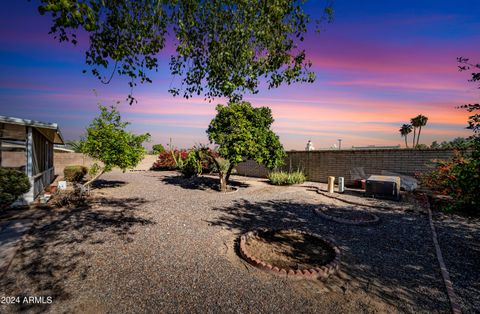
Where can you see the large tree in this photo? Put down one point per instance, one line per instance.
(108, 141)
(243, 132)
(222, 47)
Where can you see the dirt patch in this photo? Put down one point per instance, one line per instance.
(289, 249)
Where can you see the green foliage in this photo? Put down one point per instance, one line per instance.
(459, 178)
(422, 146)
(222, 165)
(474, 119)
(242, 131)
(456, 143)
(192, 165)
(108, 141)
(13, 184)
(158, 149)
(94, 169)
(286, 178)
(74, 173)
(223, 47)
(76, 146)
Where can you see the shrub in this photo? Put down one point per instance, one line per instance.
(207, 155)
(75, 198)
(13, 184)
(170, 160)
(158, 149)
(192, 166)
(459, 178)
(74, 173)
(286, 178)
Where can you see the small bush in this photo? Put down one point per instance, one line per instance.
(170, 160)
(459, 178)
(13, 184)
(286, 178)
(74, 173)
(192, 165)
(75, 198)
(206, 156)
(158, 149)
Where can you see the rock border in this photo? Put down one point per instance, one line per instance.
(357, 222)
(318, 273)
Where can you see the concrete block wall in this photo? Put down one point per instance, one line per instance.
(60, 160)
(318, 165)
(251, 168)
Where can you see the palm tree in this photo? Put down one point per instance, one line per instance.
(76, 146)
(414, 123)
(418, 122)
(404, 131)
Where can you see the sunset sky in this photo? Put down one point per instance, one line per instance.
(378, 64)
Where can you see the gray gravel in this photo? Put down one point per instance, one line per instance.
(151, 242)
(459, 239)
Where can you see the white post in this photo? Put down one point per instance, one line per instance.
(341, 185)
(29, 196)
(331, 183)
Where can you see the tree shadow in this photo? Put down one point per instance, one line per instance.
(459, 240)
(394, 260)
(56, 248)
(202, 183)
(103, 184)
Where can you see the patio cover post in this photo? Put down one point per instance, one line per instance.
(29, 169)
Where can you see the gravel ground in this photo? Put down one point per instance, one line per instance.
(152, 242)
(459, 239)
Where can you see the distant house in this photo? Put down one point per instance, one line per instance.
(27, 145)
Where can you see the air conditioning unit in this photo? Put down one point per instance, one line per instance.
(387, 187)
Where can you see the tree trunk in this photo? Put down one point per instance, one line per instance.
(223, 181)
(406, 144)
(229, 172)
(414, 136)
(418, 136)
(94, 178)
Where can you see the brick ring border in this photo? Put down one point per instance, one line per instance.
(357, 222)
(320, 273)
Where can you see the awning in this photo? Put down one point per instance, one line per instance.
(12, 132)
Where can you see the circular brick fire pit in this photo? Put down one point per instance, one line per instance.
(347, 216)
(290, 252)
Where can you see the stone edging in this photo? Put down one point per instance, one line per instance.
(321, 273)
(357, 222)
